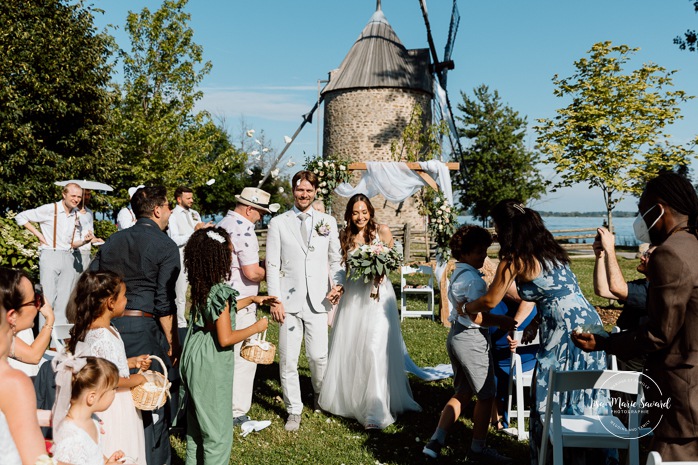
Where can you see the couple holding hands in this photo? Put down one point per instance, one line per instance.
(358, 372)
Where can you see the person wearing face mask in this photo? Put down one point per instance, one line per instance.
(668, 219)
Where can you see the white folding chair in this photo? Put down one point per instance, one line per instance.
(591, 431)
(655, 459)
(427, 290)
(59, 334)
(519, 379)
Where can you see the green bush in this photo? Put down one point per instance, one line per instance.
(18, 247)
(104, 229)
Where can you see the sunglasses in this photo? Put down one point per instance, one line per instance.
(38, 301)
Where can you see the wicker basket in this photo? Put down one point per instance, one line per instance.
(152, 394)
(258, 350)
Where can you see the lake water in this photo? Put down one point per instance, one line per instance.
(623, 226)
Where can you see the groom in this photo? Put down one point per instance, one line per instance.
(302, 252)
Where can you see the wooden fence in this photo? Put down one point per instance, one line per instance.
(414, 241)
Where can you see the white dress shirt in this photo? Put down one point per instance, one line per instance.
(65, 224)
(125, 219)
(86, 223)
(182, 225)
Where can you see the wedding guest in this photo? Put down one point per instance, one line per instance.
(300, 261)
(668, 218)
(148, 262)
(246, 272)
(609, 283)
(530, 256)
(126, 218)
(59, 262)
(85, 230)
(20, 436)
(184, 220)
(207, 357)
(469, 347)
(99, 297)
(22, 302)
(365, 376)
(85, 386)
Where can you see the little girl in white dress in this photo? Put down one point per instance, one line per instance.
(99, 297)
(87, 385)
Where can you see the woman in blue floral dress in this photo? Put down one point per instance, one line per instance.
(540, 266)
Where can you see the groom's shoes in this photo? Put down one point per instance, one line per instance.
(293, 423)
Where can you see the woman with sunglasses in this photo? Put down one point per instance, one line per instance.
(20, 436)
(22, 303)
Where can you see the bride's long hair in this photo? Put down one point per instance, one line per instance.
(346, 237)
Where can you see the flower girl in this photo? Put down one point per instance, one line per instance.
(98, 297)
(85, 386)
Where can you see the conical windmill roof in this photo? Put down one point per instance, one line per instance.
(378, 59)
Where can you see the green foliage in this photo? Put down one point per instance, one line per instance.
(419, 141)
(495, 164)
(104, 228)
(54, 100)
(689, 41)
(331, 172)
(612, 134)
(18, 247)
(163, 141)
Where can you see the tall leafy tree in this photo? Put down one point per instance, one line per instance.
(496, 164)
(612, 133)
(689, 41)
(164, 140)
(54, 100)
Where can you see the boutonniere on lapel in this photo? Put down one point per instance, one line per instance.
(322, 228)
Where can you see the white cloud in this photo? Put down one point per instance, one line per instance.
(275, 103)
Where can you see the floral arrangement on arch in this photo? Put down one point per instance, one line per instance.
(331, 172)
(443, 220)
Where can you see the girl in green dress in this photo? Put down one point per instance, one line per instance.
(207, 357)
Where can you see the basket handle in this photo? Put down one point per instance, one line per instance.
(164, 370)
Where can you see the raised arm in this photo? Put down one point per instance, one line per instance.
(617, 286)
(503, 279)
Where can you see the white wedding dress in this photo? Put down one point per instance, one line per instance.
(365, 377)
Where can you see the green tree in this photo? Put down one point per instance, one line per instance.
(690, 39)
(164, 140)
(54, 100)
(612, 134)
(496, 164)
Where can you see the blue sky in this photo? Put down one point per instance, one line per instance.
(268, 56)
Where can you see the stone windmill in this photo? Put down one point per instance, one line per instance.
(369, 101)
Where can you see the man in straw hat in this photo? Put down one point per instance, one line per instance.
(245, 275)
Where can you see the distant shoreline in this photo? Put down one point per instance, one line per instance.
(618, 214)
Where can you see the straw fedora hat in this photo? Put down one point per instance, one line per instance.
(257, 198)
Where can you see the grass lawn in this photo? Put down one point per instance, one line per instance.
(326, 439)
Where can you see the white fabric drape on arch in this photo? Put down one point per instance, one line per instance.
(396, 182)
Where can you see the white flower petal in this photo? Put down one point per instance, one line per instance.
(210, 182)
(287, 139)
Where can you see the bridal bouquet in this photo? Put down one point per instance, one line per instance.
(372, 262)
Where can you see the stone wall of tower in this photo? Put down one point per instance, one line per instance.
(360, 125)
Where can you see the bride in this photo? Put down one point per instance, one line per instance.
(365, 377)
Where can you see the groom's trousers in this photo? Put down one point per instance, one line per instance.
(314, 325)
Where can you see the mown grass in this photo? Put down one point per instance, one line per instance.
(326, 439)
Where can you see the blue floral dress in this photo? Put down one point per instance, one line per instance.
(563, 307)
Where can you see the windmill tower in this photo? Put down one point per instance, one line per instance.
(369, 101)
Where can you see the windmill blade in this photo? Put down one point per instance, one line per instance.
(307, 118)
(440, 69)
(450, 42)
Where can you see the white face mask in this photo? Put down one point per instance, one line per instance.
(642, 231)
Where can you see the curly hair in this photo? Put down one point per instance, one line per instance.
(524, 239)
(346, 237)
(468, 238)
(89, 301)
(208, 257)
(98, 374)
